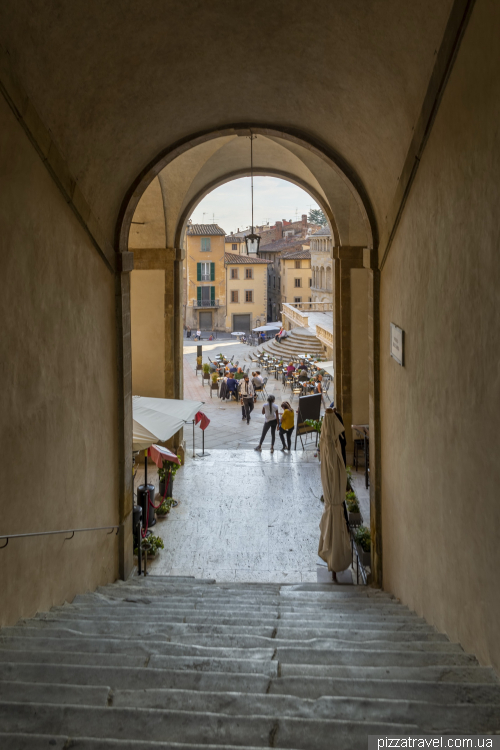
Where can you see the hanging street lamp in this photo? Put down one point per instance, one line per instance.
(252, 240)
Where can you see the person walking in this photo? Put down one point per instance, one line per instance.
(270, 411)
(246, 398)
(287, 425)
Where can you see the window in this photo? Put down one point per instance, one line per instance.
(310, 282)
(234, 273)
(234, 296)
(205, 244)
(249, 296)
(297, 283)
(310, 299)
(205, 296)
(205, 271)
(248, 273)
(274, 282)
(297, 299)
(234, 247)
(279, 283)
(297, 264)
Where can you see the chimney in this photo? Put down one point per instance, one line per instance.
(279, 230)
(304, 225)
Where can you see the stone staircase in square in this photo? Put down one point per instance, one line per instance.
(177, 663)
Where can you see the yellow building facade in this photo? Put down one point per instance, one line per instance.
(296, 276)
(246, 291)
(205, 279)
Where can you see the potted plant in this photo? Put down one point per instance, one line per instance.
(353, 511)
(215, 385)
(169, 469)
(155, 544)
(164, 508)
(206, 371)
(363, 542)
(198, 363)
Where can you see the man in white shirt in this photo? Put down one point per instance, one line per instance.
(246, 397)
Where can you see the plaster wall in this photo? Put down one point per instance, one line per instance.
(58, 390)
(288, 275)
(147, 321)
(359, 345)
(439, 438)
(258, 285)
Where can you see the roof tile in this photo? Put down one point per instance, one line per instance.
(244, 260)
(204, 230)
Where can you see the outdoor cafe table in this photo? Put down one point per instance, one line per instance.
(363, 430)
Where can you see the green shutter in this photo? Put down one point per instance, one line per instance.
(198, 290)
(198, 272)
(212, 294)
(212, 271)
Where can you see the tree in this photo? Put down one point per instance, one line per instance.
(316, 216)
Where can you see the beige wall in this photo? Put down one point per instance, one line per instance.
(359, 345)
(147, 314)
(288, 275)
(258, 285)
(439, 414)
(194, 255)
(58, 390)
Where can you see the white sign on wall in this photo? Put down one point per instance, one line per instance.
(397, 344)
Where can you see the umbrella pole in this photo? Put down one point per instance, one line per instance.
(194, 454)
(146, 467)
(203, 454)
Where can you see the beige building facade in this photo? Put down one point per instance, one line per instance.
(296, 278)
(321, 247)
(205, 284)
(246, 280)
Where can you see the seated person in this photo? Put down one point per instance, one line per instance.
(239, 375)
(257, 379)
(303, 375)
(277, 338)
(233, 368)
(290, 368)
(284, 334)
(213, 366)
(319, 386)
(232, 386)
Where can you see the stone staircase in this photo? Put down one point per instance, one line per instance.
(183, 663)
(300, 341)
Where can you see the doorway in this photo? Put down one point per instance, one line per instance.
(205, 321)
(242, 323)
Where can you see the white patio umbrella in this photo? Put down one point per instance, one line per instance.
(157, 419)
(268, 327)
(334, 545)
(238, 333)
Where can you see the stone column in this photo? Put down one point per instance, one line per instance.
(124, 264)
(347, 259)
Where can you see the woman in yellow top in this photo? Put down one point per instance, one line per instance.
(287, 425)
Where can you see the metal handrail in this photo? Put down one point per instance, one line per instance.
(62, 531)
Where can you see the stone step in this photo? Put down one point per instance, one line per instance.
(97, 645)
(62, 742)
(429, 717)
(189, 727)
(120, 629)
(129, 677)
(379, 623)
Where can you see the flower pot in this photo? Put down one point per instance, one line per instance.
(355, 519)
(206, 376)
(169, 489)
(365, 557)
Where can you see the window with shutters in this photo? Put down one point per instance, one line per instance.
(205, 244)
(248, 273)
(234, 247)
(234, 297)
(297, 283)
(234, 274)
(297, 264)
(205, 271)
(249, 296)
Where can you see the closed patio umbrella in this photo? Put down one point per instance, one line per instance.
(334, 544)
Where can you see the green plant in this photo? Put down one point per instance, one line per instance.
(349, 477)
(314, 423)
(352, 502)
(206, 368)
(168, 466)
(156, 543)
(214, 378)
(198, 360)
(362, 537)
(164, 508)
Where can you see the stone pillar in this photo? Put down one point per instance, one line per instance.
(374, 411)
(124, 265)
(347, 259)
(337, 357)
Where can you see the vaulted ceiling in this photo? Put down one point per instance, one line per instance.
(121, 84)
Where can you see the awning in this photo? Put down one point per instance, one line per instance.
(157, 419)
(269, 327)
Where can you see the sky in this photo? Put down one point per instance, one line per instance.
(229, 206)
